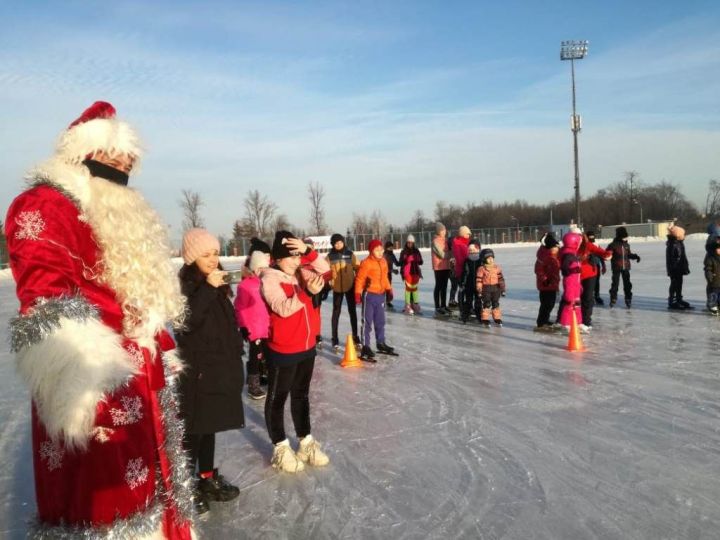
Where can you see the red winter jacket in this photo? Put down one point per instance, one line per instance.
(547, 270)
(460, 252)
(587, 268)
(294, 322)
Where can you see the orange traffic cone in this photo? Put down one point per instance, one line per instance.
(351, 358)
(575, 343)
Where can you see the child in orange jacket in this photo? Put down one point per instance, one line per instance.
(490, 285)
(371, 287)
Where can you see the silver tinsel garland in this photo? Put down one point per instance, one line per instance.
(139, 525)
(44, 318)
(180, 476)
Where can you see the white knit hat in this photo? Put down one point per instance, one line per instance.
(410, 238)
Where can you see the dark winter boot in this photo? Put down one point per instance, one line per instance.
(453, 304)
(684, 304)
(613, 301)
(358, 342)
(628, 303)
(199, 501)
(673, 304)
(385, 348)
(216, 488)
(599, 301)
(254, 390)
(367, 354)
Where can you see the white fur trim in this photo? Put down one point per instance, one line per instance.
(173, 362)
(109, 135)
(73, 179)
(69, 372)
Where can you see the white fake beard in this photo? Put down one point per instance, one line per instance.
(136, 259)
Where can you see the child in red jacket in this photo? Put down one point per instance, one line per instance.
(288, 287)
(547, 273)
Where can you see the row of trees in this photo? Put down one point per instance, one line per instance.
(628, 201)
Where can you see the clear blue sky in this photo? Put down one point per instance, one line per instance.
(390, 105)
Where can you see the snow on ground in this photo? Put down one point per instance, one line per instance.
(477, 433)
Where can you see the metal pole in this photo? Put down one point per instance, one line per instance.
(575, 128)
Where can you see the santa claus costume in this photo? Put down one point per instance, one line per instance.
(96, 287)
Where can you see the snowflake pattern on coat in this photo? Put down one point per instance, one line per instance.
(131, 412)
(136, 356)
(136, 473)
(102, 434)
(52, 454)
(31, 225)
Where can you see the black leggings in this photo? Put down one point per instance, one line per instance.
(440, 291)
(294, 380)
(202, 451)
(337, 308)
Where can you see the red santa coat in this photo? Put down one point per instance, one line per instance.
(106, 442)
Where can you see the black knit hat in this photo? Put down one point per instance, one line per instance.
(549, 241)
(258, 245)
(389, 245)
(474, 242)
(279, 249)
(485, 253)
(621, 232)
(337, 237)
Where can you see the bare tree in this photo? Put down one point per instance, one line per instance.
(259, 213)
(316, 195)
(712, 202)
(190, 204)
(377, 224)
(281, 223)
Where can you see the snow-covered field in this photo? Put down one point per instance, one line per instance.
(476, 433)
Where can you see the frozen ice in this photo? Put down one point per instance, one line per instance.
(478, 433)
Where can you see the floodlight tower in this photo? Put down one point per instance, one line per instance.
(574, 50)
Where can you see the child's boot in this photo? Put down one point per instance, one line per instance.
(284, 459)
(309, 452)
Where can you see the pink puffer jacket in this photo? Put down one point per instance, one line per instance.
(251, 310)
(570, 267)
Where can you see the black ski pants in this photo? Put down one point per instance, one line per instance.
(676, 285)
(293, 380)
(615, 282)
(337, 308)
(440, 290)
(547, 303)
(587, 299)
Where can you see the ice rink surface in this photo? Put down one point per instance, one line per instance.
(475, 433)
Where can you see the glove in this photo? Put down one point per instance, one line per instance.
(637, 258)
(396, 271)
(502, 293)
(604, 270)
(390, 295)
(358, 298)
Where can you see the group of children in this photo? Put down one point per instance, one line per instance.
(278, 302)
(580, 263)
